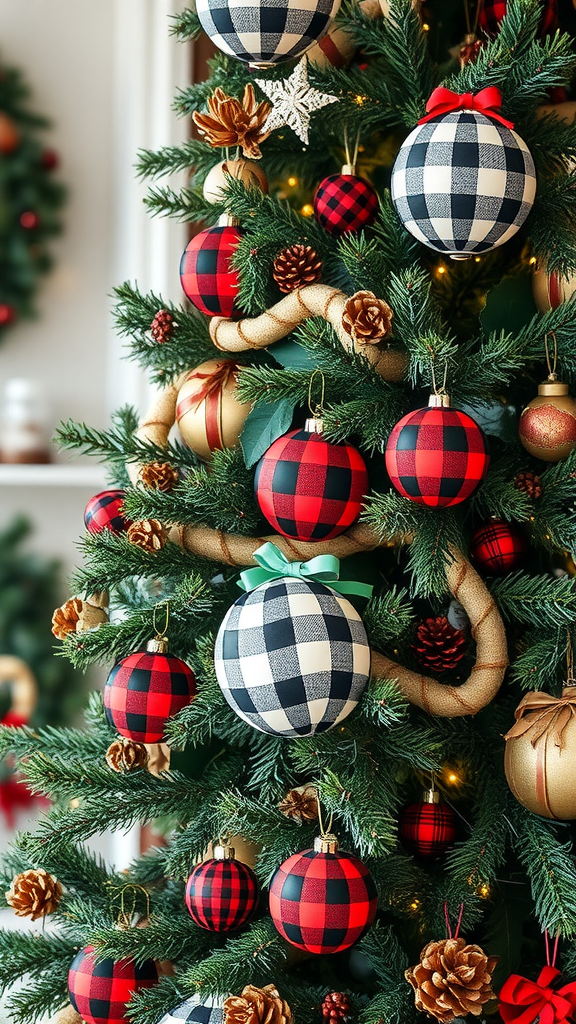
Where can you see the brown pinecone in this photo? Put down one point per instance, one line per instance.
(452, 979)
(529, 482)
(34, 894)
(336, 1008)
(232, 122)
(124, 755)
(162, 326)
(366, 318)
(439, 646)
(257, 1006)
(77, 615)
(148, 534)
(296, 266)
(160, 475)
(301, 804)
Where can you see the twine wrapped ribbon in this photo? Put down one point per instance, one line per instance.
(488, 101)
(209, 393)
(542, 715)
(523, 1001)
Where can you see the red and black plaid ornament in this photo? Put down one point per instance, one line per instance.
(309, 488)
(497, 547)
(145, 689)
(428, 828)
(222, 893)
(437, 456)
(345, 202)
(100, 992)
(104, 512)
(323, 900)
(491, 13)
(207, 277)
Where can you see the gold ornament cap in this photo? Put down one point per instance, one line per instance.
(431, 796)
(439, 401)
(314, 425)
(552, 388)
(222, 851)
(159, 645)
(326, 844)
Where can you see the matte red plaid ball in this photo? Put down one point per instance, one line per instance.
(100, 992)
(206, 274)
(436, 456)
(498, 548)
(428, 829)
(345, 202)
(308, 488)
(103, 512)
(492, 11)
(323, 902)
(222, 894)
(144, 690)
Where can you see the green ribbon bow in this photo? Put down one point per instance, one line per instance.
(273, 565)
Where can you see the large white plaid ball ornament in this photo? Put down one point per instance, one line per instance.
(196, 1011)
(292, 657)
(265, 32)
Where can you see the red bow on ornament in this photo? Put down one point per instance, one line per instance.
(522, 1001)
(487, 101)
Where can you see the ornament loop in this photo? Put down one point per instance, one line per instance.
(125, 915)
(552, 375)
(273, 565)
(318, 409)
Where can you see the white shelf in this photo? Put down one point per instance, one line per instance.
(53, 475)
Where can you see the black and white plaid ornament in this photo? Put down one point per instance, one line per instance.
(265, 32)
(196, 1011)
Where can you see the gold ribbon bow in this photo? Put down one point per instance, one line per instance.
(543, 714)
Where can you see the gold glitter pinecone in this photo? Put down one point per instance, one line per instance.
(257, 1006)
(366, 318)
(34, 894)
(296, 266)
(452, 979)
(148, 534)
(301, 804)
(160, 475)
(124, 755)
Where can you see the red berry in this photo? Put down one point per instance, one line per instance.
(49, 159)
(7, 313)
(29, 220)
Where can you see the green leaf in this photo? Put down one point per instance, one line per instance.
(264, 424)
(289, 352)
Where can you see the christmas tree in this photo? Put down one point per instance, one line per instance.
(342, 601)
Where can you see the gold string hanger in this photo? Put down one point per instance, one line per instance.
(314, 424)
(440, 396)
(159, 644)
(570, 678)
(125, 915)
(552, 375)
(326, 842)
(350, 165)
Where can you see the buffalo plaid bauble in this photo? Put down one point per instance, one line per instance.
(322, 902)
(498, 548)
(462, 183)
(427, 829)
(491, 12)
(195, 1010)
(309, 488)
(207, 277)
(100, 992)
(103, 512)
(222, 895)
(143, 691)
(436, 456)
(266, 31)
(292, 657)
(345, 202)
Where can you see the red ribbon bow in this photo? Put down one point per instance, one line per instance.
(487, 101)
(522, 1000)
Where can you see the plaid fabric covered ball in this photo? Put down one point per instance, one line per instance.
(292, 657)
(143, 691)
(463, 183)
(491, 13)
(101, 992)
(436, 456)
(222, 895)
(266, 31)
(322, 902)
(345, 202)
(206, 274)
(498, 548)
(196, 1011)
(309, 488)
(103, 512)
(427, 829)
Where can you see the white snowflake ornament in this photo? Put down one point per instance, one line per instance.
(294, 101)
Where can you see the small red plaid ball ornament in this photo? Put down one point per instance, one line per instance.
(345, 202)
(206, 274)
(491, 13)
(222, 893)
(308, 488)
(437, 456)
(104, 512)
(101, 992)
(428, 828)
(323, 900)
(498, 548)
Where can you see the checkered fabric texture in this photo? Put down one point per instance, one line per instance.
(292, 657)
(206, 276)
(436, 456)
(195, 1011)
(222, 895)
(463, 183)
(103, 512)
(427, 829)
(100, 992)
(309, 488)
(492, 11)
(322, 902)
(345, 202)
(266, 31)
(498, 548)
(143, 691)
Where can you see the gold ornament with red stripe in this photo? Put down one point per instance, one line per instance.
(247, 171)
(547, 427)
(209, 415)
(551, 288)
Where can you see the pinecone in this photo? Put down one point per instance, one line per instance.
(232, 122)
(366, 318)
(34, 894)
(439, 646)
(296, 266)
(124, 755)
(148, 534)
(452, 979)
(162, 326)
(77, 615)
(160, 475)
(301, 804)
(336, 1008)
(257, 1006)
(529, 482)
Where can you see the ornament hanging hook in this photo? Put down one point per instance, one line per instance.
(160, 635)
(442, 389)
(125, 916)
(325, 833)
(316, 410)
(570, 679)
(552, 375)
(551, 960)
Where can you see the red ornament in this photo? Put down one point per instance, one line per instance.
(498, 548)
(436, 456)
(323, 900)
(492, 11)
(344, 202)
(50, 159)
(526, 1001)
(222, 893)
(7, 314)
(428, 828)
(206, 274)
(9, 135)
(104, 512)
(100, 992)
(29, 220)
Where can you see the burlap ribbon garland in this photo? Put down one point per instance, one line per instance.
(542, 715)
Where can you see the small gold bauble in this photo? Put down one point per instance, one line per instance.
(547, 426)
(540, 772)
(247, 171)
(551, 290)
(209, 415)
